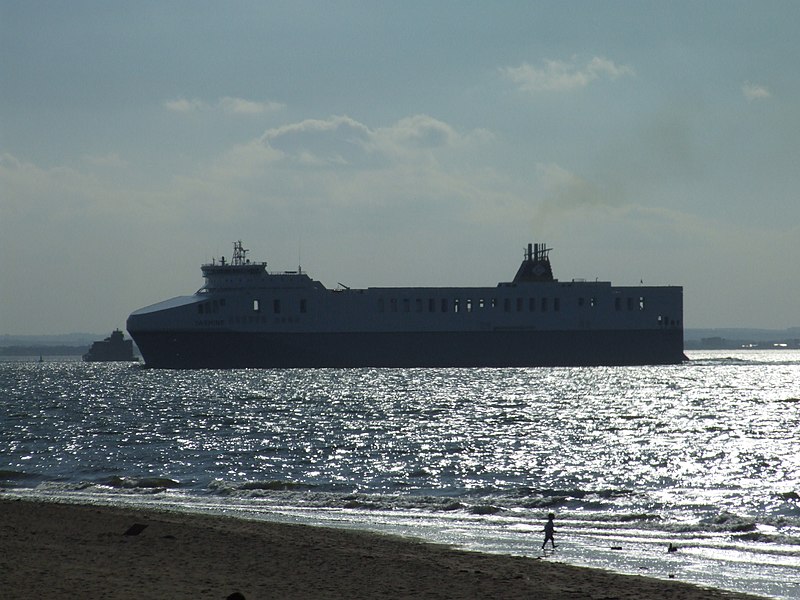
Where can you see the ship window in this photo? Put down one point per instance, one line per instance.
(418, 304)
(469, 305)
(641, 302)
(431, 305)
(507, 304)
(580, 301)
(617, 303)
(456, 305)
(630, 303)
(556, 304)
(256, 305)
(494, 302)
(381, 305)
(222, 301)
(393, 304)
(531, 304)
(592, 302)
(200, 309)
(276, 306)
(480, 303)
(303, 305)
(544, 304)
(444, 304)
(406, 305)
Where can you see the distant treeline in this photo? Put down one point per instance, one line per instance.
(43, 350)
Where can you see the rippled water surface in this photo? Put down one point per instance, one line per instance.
(704, 455)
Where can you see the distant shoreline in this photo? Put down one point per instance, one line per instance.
(704, 344)
(719, 343)
(43, 350)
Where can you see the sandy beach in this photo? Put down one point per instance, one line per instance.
(50, 550)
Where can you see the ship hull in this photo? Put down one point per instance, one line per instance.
(513, 348)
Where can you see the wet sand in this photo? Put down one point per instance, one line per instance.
(50, 550)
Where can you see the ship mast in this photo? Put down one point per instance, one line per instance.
(239, 254)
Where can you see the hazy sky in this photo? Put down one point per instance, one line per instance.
(402, 143)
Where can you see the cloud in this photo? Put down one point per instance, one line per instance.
(240, 106)
(48, 193)
(344, 141)
(228, 105)
(339, 172)
(67, 194)
(111, 160)
(753, 91)
(419, 131)
(184, 105)
(244, 161)
(338, 140)
(561, 76)
(315, 146)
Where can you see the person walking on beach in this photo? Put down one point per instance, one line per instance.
(549, 531)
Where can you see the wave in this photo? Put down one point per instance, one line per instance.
(744, 357)
(16, 475)
(728, 522)
(738, 362)
(485, 509)
(768, 538)
(722, 360)
(592, 512)
(12, 479)
(576, 493)
(632, 528)
(134, 483)
(227, 488)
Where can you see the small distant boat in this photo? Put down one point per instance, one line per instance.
(114, 348)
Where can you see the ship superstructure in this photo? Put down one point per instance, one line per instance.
(247, 316)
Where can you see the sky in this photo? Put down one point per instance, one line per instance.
(397, 143)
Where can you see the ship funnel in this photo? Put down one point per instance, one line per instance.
(536, 266)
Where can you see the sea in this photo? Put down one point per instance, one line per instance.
(703, 456)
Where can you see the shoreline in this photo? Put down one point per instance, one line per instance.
(57, 550)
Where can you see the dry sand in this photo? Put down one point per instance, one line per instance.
(52, 550)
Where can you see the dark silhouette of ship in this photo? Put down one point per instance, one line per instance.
(245, 316)
(113, 348)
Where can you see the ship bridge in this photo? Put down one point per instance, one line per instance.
(240, 273)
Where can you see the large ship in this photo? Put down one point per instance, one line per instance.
(248, 317)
